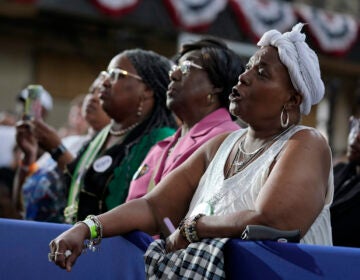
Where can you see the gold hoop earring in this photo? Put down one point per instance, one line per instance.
(282, 123)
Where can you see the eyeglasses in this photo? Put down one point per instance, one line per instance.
(116, 73)
(184, 67)
(102, 76)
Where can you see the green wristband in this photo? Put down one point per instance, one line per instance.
(92, 227)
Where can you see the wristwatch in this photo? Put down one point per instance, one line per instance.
(57, 152)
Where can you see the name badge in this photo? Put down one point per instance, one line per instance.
(142, 170)
(102, 163)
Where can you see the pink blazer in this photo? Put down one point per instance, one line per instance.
(162, 162)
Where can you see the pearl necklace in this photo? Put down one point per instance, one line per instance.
(121, 132)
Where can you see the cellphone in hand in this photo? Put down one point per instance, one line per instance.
(32, 108)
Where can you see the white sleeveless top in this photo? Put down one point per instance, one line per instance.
(218, 196)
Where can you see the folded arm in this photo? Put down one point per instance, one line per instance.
(293, 195)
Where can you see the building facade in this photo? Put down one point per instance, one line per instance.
(63, 45)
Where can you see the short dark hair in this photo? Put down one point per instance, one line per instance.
(222, 64)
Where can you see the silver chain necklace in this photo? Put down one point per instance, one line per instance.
(243, 158)
(211, 203)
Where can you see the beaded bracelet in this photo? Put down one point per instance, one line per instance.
(187, 228)
(181, 227)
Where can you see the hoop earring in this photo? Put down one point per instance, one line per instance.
(282, 123)
(140, 108)
(210, 98)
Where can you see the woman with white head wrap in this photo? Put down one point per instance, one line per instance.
(275, 173)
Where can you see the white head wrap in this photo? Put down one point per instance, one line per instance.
(301, 62)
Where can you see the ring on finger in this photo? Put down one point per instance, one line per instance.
(51, 256)
(67, 253)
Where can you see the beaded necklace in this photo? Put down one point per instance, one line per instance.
(122, 132)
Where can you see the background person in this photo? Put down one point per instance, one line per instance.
(92, 108)
(7, 127)
(76, 123)
(346, 205)
(7, 175)
(40, 194)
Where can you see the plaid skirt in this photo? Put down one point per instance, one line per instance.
(200, 260)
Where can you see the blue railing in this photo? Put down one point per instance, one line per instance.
(24, 248)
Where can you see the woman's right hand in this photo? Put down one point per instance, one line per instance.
(72, 241)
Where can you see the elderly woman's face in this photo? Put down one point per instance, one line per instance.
(189, 86)
(262, 90)
(121, 94)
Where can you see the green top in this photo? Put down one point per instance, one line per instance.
(120, 183)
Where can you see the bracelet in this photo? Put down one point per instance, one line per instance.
(29, 169)
(96, 230)
(99, 227)
(92, 227)
(58, 151)
(181, 227)
(187, 228)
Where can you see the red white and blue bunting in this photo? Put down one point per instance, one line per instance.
(256, 17)
(116, 7)
(333, 32)
(26, 1)
(195, 15)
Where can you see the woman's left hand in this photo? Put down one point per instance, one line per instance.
(176, 242)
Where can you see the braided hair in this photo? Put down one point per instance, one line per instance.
(153, 69)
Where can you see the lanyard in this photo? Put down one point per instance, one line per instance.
(84, 163)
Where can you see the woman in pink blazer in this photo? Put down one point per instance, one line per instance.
(198, 94)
